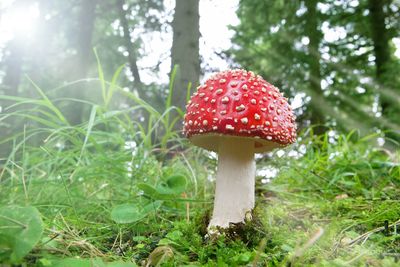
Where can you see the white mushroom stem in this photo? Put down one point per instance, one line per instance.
(234, 193)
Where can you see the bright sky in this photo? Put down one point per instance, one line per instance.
(215, 16)
(22, 22)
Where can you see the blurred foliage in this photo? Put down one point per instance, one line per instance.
(280, 40)
(20, 230)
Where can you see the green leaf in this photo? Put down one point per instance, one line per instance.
(175, 235)
(287, 248)
(174, 185)
(171, 238)
(20, 230)
(139, 238)
(153, 206)
(72, 262)
(121, 264)
(147, 189)
(126, 213)
(76, 262)
(166, 241)
(244, 258)
(130, 213)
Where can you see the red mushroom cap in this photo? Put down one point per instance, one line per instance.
(242, 104)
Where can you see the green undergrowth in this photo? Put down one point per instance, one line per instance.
(116, 192)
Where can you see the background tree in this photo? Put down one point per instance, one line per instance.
(358, 57)
(185, 50)
(386, 67)
(14, 56)
(81, 62)
(129, 46)
(286, 47)
(59, 51)
(324, 49)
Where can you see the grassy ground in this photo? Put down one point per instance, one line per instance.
(84, 196)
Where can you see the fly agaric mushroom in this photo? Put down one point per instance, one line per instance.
(236, 114)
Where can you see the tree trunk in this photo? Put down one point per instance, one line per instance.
(14, 59)
(185, 51)
(380, 38)
(13, 68)
(13, 63)
(9, 87)
(315, 36)
(85, 26)
(381, 41)
(129, 47)
(86, 21)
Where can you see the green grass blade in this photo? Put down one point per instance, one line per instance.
(49, 104)
(101, 76)
(88, 132)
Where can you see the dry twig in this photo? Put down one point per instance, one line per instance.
(364, 237)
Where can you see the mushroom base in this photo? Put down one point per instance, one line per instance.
(234, 193)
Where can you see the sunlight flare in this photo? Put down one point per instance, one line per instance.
(20, 21)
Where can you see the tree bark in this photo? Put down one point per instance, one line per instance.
(381, 41)
(85, 26)
(13, 64)
(384, 77)
(86, 21)
(129, 47)
(380, 36)
(185, 50)
(16, 52)
(9, 87)
(315, 37)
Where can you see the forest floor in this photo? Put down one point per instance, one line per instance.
(85, 196)
(332, 203)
